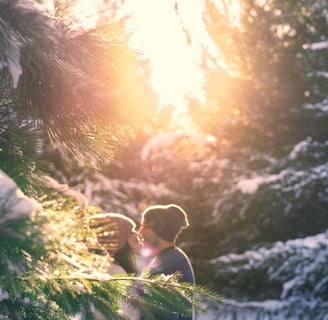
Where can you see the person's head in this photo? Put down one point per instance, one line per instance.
(162, 223)
(117, 234)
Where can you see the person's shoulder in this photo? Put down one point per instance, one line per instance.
(179, 251)
(176, 253)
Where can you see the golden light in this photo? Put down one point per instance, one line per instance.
(172, 35)
(87, 12)
(158, 33)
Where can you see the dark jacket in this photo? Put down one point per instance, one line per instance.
(169, 261)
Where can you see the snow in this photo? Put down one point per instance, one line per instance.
(153, 145)
(250, 186)
(316, 46)
(65, 189)
(4, 295)
(302, 146)
(264, 310)
(322, 74)
(164, 140)
(320, 106)
(13, 203)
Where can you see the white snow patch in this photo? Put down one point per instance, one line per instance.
(302, 146)
(164, 140)
(320, 106)
(250, 186)
(13, 203)
(158, 142)
(65, 189)
(316, 46)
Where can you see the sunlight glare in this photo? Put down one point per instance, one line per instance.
(158, 32)
(87, 13)
(172, 35)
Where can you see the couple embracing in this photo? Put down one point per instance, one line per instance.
(159, 229)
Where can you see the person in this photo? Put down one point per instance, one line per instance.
(117, 234)
(160, 227)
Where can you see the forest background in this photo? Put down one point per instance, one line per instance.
(246, 158)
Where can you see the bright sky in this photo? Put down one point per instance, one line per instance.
(158, 32)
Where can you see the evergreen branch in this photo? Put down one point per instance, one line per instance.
(63, 288)
(83, 86)
(169, 282)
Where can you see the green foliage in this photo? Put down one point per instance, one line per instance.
(18, 147)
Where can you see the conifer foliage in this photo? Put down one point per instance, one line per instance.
(81, 85)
